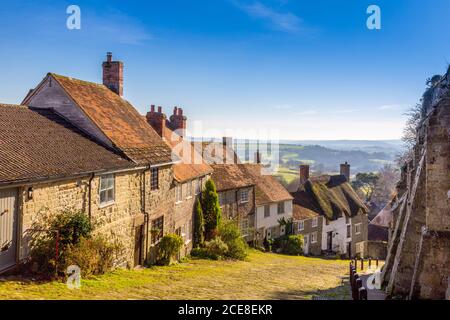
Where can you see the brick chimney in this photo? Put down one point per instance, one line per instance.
(157, 119)
(345, 170)
(304, 173)
(113, 74)
(178, 121)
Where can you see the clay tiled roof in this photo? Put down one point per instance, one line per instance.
(118, 120)
(191, 165)
(330, 196)
(38, 144)
(231, 176)
(217, 153)
(268, 188)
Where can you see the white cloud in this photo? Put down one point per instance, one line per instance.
(392, 107)
(287, 22)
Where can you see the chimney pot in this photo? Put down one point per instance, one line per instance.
(109, 56)
(159, 109)
(175, 111)
(152, 108)
(113, 74)
(180, 112)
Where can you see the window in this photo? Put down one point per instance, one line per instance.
(314, 237)
(188, 189)
(222, 198)
(231, 197)
(301, 225)
(280, 207)
(266, 211)
(347, 220)
(198, 186)
(154, 178)
(358, 228)
(178, 193)
(188, 231)
(314, 222)
(349, 231)
(107, 194)
(157, 229)
(244, 196)
(244, 226)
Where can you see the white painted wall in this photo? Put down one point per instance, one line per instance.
(272, 220)
(339, 229)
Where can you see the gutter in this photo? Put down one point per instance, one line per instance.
(90, 196)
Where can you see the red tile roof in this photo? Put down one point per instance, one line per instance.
(231, 176)
(191, 165)
(118, 120)
(38, 144)
(268, 188)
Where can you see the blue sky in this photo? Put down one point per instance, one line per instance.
(309, 69)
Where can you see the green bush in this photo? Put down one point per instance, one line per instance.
(168, 248)
(211, 209)
(72, 226)
(93, 255)
(216, 249)
(289, 244)
(199, 225)
(231, 235)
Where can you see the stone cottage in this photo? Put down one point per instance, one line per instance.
(418, 260)
(101, 112)
(190, 173)
(329, 214)
(48, 165)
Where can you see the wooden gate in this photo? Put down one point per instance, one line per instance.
(8, 227)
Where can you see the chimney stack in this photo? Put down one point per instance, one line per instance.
(178, 121)
(113, 74)
(345, 170)
(304, 173)
(258, 157)
(157, 120)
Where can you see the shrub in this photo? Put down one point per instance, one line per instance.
(211, 209)
(72, 226)
(199, 225)
(289, 244)
(93, 255)
(231, 236)
(216, 249)
(168, 247)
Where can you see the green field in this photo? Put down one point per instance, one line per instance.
(262, 276)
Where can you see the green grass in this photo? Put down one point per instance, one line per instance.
(262, 276)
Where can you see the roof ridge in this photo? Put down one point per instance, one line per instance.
(56, 75)
(10, 105)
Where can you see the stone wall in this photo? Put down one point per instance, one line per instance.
(116, 221)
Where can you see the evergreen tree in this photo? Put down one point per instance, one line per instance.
(211, 209)
(199, 226)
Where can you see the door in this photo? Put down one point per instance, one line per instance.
(330, 241)
(8, 227)
(306, 244)
(138, 245)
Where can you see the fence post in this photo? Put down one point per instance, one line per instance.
(362, 264)
(362, 293)
(376, 261)
(370, 263)
(358, 284)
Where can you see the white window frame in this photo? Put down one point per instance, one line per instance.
(315, 222)
(188, 190)
(279, 204)
(266, 208)
(301, 225)
(358, 228)
(243, 196)
(178, 193)
(106, 179)
(313, 237)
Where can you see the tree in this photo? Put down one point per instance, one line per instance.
(385, 186)
(288, 225)
(366, 182)
(199, 225)
(211, 209)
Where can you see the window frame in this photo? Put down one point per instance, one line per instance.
(157, 222)
(188, 190)
(243, 199)
(349, 231)
(283, 205)
(267, 210)
(107, 201)
(315, 222)
(178, 193)
(358, 228)
(301, 223)
(154, 178)
(313, 237)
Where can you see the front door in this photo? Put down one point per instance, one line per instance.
(330, 241)
(138, 245)
(306, 243)
(8, 227)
